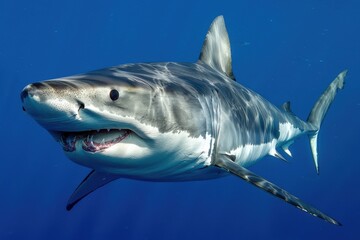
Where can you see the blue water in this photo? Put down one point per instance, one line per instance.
(285, 50)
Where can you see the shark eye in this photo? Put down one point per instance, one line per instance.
(114, 94)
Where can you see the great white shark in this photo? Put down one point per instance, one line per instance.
(172, 121)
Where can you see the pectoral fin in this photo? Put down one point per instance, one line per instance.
(269, 187)
(91, 182)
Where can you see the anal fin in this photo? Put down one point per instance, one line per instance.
(276, 154)
(269, 187)
(91, 182)
(286, 146)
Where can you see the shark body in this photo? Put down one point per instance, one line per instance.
(171, 121)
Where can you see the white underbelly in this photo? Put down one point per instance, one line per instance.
(248, 154)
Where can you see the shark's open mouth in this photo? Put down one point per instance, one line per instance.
(93, 141)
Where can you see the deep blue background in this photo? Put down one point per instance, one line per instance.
(284, 51)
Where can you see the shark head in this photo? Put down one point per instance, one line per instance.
(122, 119)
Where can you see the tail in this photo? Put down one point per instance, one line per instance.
(319, 111)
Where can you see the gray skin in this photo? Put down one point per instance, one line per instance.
(171, 121)
(171, 97)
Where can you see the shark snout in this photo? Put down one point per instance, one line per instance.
(49, 105)
(27, 92)
(35, 91)
(24, 94)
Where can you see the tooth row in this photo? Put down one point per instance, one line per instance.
(108, 129)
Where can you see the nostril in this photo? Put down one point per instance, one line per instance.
(23, 109)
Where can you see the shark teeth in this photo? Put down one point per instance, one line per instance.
(108, 139)
(93, 141)
(68, 142)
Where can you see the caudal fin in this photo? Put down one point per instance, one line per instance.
(319, 111)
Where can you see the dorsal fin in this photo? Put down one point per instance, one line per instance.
(216, 50)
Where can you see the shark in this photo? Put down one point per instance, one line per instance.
(172, 121)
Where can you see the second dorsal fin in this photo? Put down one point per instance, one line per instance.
(216, 50)
(286, 107)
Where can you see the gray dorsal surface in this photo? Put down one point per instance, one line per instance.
(216, 50)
